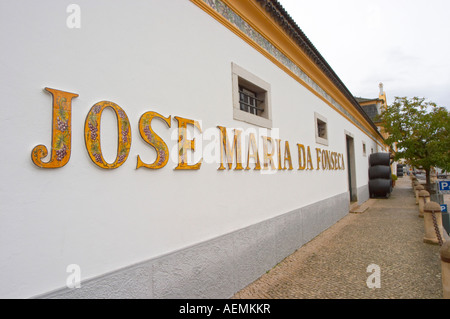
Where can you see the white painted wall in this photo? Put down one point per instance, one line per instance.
(164, 56)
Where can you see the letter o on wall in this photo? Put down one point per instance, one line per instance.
(92, 135)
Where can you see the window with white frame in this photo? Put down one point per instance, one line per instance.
(251, 98)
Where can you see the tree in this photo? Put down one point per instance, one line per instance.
(420, 130)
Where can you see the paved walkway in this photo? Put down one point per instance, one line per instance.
(334, 264)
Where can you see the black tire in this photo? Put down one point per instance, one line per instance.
(379, 159)
(380, 187)
(379, 171)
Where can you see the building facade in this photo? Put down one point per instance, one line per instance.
(374, 107)
(167, 149)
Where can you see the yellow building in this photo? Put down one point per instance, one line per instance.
(374, 107)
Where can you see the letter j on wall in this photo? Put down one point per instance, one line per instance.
(61, 132)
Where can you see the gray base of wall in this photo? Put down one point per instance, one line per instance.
(218, 268)
(363, 194)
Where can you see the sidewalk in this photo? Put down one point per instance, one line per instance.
(333, 265)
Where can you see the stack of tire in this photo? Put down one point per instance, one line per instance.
(380, 178)
(400, 170)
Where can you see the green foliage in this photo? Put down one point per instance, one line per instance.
(421, 132)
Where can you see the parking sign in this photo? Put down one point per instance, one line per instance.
(444, 186)
(444, 208)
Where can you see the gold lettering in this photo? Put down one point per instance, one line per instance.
(61, 132)
(318, 153)
(310, 165)
(279, 153)
(149, 136)
(92, 135)
(287, 156)
(268, 157)
(329, 160)
(301, 157)
(184, 144)
(230, 151)
(336, 159)
(332, 161)
(254, 152)
(324, 159)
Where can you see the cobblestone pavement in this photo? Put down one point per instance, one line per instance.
(334, 264)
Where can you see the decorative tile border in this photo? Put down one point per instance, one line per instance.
(254, 35)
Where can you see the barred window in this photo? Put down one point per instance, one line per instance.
(251, 98)
(321, 129)
(249, 102)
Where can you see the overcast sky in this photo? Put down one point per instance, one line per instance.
(403, 43)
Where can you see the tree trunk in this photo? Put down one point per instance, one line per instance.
(428, 177)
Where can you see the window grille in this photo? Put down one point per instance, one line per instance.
(321, 129)
(249, 102)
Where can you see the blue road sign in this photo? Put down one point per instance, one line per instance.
(444, 208)
(444, 185)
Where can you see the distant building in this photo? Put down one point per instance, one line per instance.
(374, 106)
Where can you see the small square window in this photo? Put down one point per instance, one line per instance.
(251, 98)
(321, 129)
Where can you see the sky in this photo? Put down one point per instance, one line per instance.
(405, 44)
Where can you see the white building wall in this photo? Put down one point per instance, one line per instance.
(163, 56)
